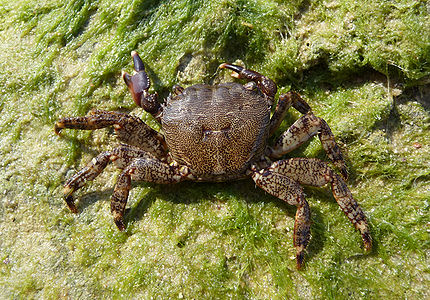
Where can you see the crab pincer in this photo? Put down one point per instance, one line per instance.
(138, 85)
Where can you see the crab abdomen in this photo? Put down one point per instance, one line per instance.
(217, 131)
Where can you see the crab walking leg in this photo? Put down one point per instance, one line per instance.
(290, 191)
(302, 130)
(121, 156)
(129, 129)
(312, 171)
(141, 169)
(266, 85)
(285, 101)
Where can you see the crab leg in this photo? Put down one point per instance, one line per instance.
(121, 156)
(291, 192)
(285, 101)
(141, 169)
(138, 85)
(302, 130)
(129, 129)
(266, 85)
(316, 173)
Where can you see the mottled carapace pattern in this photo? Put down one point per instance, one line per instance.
(219, 139)
(218, 133)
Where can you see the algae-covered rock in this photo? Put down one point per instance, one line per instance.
(363, 67)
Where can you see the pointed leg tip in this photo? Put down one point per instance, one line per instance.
(71, 204)
(232, 67)
(58, 127)
(363, 227)
(223, 65)
(299, 260)
(368, 247)
(236, 69)
(367, 242)
(119, 222)
(68, 197)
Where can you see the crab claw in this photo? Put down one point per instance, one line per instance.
(138, 85)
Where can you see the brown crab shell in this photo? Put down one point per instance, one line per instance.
(217, 131)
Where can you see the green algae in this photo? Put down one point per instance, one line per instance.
(227, 240)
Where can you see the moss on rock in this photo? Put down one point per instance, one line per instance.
(364, 67)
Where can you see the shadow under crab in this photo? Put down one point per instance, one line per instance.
(218, 133)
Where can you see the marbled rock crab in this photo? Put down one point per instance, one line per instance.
(218, 133)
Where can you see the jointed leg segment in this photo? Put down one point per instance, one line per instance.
(281, 179)
(136, 164)
(129, 129)
(141, 169)
(121, 156)
(266, 85)
(301, 131)
(285, 101)
(290, 191)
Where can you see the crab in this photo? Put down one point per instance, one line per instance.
(218, 133)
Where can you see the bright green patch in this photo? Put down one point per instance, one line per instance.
(361, 66)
